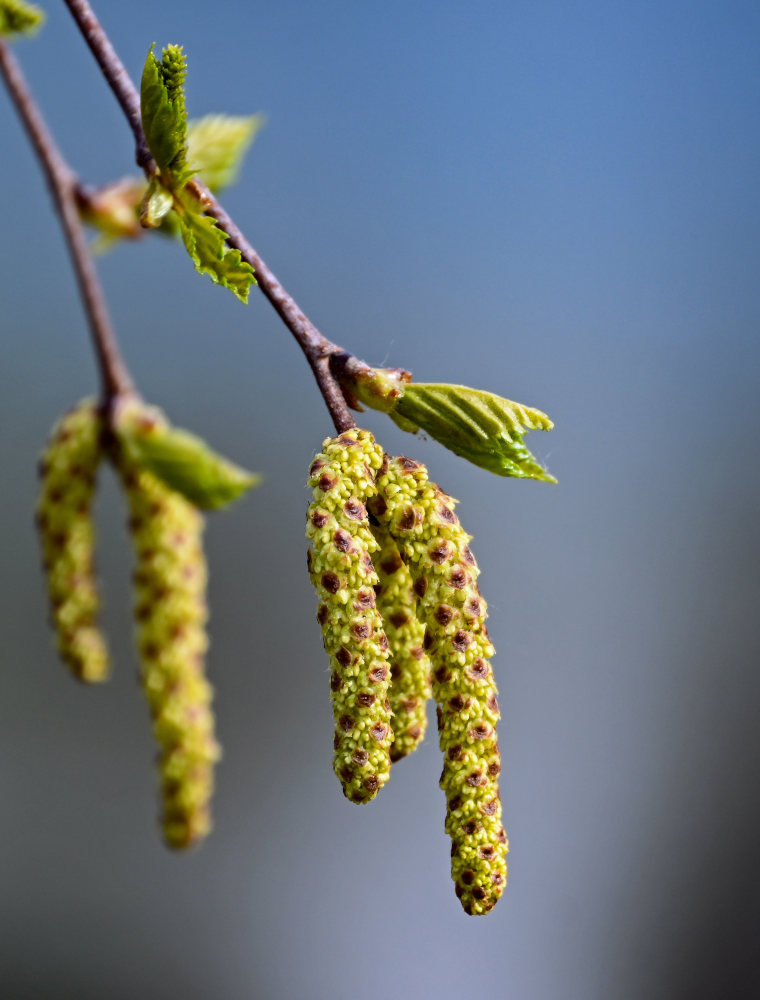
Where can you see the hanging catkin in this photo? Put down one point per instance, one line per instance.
(170, 612)
(64, 517)
(410, 667)
(421, 518)
(340, 564)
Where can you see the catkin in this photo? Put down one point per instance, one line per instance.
(421, 518)
(64, 517)
(410, 667)
(342, 477)
(170, 612)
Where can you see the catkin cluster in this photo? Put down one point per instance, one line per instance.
(64, 517)
(170, 607)
(342, 477)
(421, 519)
(170, 612)
(402, 592)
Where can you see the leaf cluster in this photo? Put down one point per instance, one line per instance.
(19, 18)
(219, 145)
(164, 116)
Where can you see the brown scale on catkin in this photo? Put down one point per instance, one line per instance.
(421, 518)
(342, 477)
(170, 612)
(64, 517)
(410, 667)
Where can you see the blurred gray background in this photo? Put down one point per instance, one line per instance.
(555, 201)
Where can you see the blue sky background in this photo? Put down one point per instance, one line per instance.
(554, 201)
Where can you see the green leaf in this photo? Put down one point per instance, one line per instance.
(484, 428)
(216, 145)
(19, 18)
(162, 105)
(206, 243)
(182, 461)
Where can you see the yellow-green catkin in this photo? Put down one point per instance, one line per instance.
(171, 613)
(64, 517)
(342, 478)
(410, 666)
(421, 518)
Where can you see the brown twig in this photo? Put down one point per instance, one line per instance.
(315, 346)
(114, 375)
(118, 78)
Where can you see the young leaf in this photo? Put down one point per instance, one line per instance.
(156, 204)
(182, 461)
(216, 145)
(207, 245)
(484, 428)
(19, 18)
(162, 104)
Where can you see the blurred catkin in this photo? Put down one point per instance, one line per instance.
(170, 612)
(342, 477)
(410, 667)
(64, 517)
(421, 518)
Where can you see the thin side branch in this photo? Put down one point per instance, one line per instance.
(62, 183)
(315, 346)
